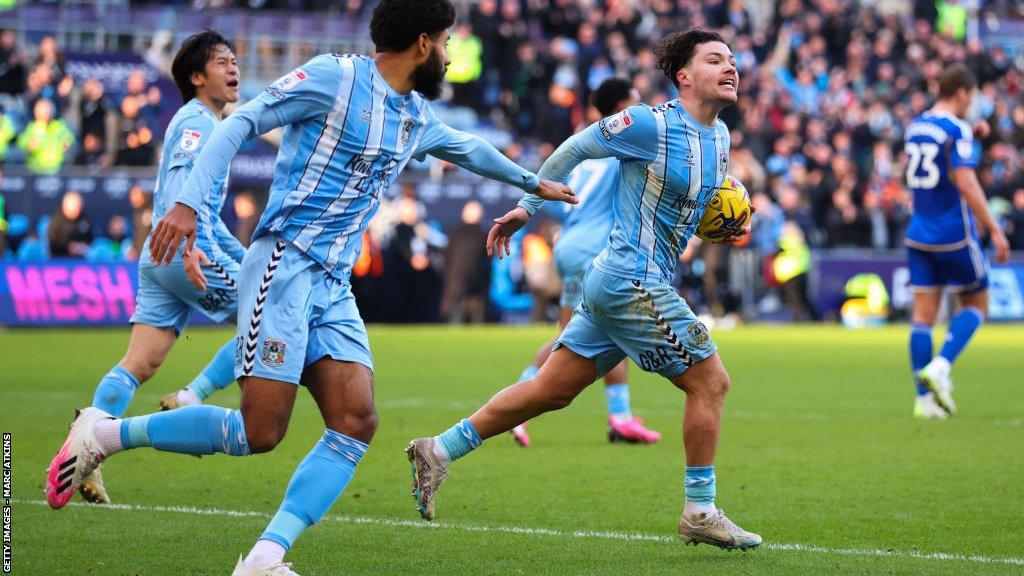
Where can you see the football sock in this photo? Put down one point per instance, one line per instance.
(617, 397)
(318, 481)
(700, 490)
(457, 441)
(961, 328)
(115, 391)
(920, 351)
(188, 430)
(218, 374)
(528, 373)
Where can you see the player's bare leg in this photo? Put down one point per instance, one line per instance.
(344, 394)
(706, 384)
(558, 382)
(623, 426)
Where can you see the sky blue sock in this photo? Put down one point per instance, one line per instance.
(318, 481)
(920, 351)
(115, 391)
(700, 484)
(528, 373)
(961, 328)
(459, 440)
(218, 374)
(617, 397)
(188, 430)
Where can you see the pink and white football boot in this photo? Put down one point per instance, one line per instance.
(520, 435)
(631, 431)
(77, 458)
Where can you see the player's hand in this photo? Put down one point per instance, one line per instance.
(193, 263)
(499, 239)
(981, 129)
(741, 237)
(1002, 246)
(550, 190)
(179, 223)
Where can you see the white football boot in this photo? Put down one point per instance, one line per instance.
(926, 408)
(936, 377)
(716, 529)
(277, 568)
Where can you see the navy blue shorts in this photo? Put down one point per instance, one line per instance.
(963, 270)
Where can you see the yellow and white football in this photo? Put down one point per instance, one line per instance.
(727, 212)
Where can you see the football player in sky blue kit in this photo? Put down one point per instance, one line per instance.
(943, 248)
(351, 124)
(672, 158)
(206, 72)
(584, 234)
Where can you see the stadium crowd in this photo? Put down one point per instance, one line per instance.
(827, 89)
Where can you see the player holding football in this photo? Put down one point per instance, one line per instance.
(206, 72)
(351, 123)
(673, 157)
(584, 234)
(943, 248)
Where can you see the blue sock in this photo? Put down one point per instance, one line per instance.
(528, 373)
(188, 430)
(115, 391)
(617, 397)
(318, 481)
(459, 440)
(920, 351)
(700, 484)
(961, 328)
(218, 374)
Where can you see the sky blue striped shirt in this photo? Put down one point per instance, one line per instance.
(347, 136)
(670, 166)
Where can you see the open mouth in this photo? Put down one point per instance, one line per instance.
(232, 83)
(729, 82)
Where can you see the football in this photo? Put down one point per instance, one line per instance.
(727, 212)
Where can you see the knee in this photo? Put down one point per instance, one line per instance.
(713, 387)
(556, 398)
(359, 424)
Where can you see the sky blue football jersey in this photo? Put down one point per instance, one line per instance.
(936, 144)
(347, 135)
(587, 225)
(190, 129)
(670, 166)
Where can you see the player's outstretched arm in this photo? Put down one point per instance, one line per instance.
(307, 92)
(970, 189)
(499, 238)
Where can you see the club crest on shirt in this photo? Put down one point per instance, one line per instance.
(273, 352)
(190, 140)
(366, 114)
(688, 159)
(723, 161)
(407, 127)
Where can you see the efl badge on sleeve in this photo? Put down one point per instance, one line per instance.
(190, 140)
(273, 352)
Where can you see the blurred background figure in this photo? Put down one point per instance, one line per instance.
(466, 269)
(46, 140)
(70, 232)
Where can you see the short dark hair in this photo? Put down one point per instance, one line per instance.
(396, 24)
(952, 79)
(192, 57)
(608, 95)
(676, 50)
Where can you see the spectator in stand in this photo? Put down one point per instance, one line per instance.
(70, 231)
(3, 226)
(135, 137)
(96, 117)
(1015, 221)
(142, 218)
(46, 140)
(848, 225)
(465, 51)
(7, 134)
(13, 71)
(247, 214)
(467, 268)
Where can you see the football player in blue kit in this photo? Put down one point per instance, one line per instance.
(584, 234)
(672, 158)
(943, 246)
(206, 72)
(351, 124)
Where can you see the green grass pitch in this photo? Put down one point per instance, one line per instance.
(818, 453)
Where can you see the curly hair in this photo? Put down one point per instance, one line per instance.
(192, 57)
(396, 24)
(676, 50)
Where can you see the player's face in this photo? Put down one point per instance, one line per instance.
(221, 76)
(428, 77)
(713, 74)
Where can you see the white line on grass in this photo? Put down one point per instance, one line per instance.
(626, 536)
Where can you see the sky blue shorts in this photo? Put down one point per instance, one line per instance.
(166, 297)
(572, 264)
(650, 323)
(964, 270)
(293, 313)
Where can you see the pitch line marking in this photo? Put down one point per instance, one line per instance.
(526, 531)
